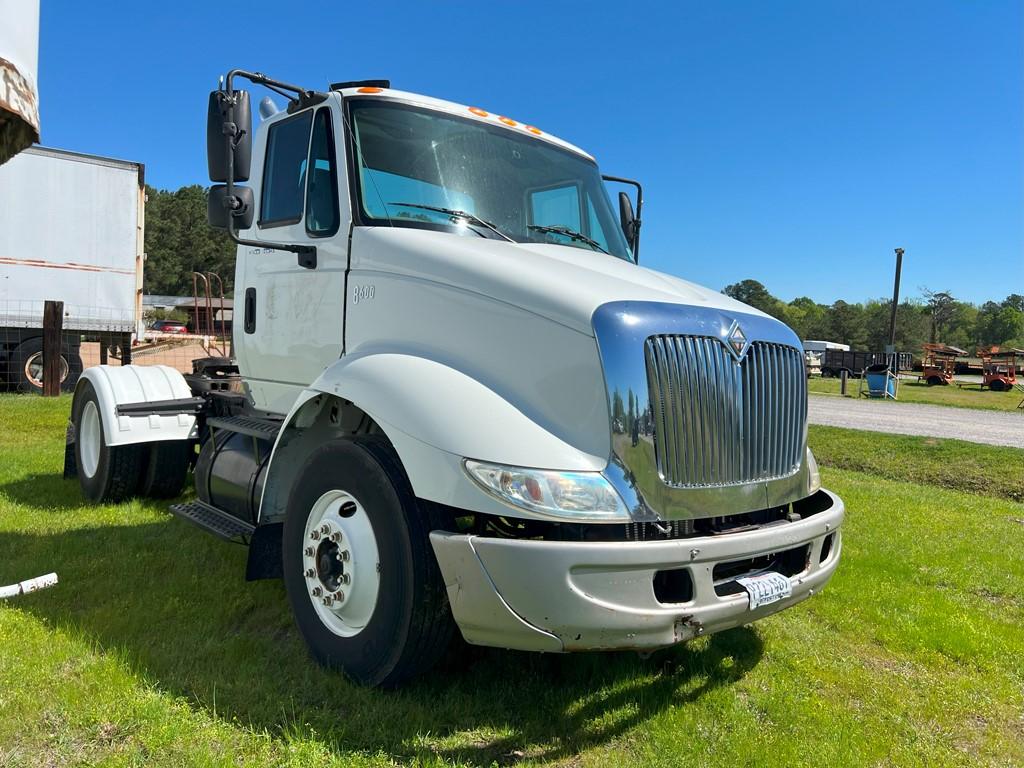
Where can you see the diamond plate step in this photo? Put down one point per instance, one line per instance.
(264, 429)
(216, 521)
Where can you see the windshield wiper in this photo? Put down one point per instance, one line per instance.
(458, 214)
(572, 234)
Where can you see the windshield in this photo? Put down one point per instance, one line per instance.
(419, 167)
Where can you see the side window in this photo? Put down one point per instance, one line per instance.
(322, 185)
(284, 175)
(558, 206)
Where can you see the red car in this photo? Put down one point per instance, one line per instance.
(169, 326)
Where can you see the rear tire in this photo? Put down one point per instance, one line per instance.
(354, 528)
(24, 371)
(106, 473)
(166, 465)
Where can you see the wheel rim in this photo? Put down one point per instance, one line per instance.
(90, 437)
(340, 563)
(34, 369)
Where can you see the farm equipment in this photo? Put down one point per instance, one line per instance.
(939, 363)
(999, 368)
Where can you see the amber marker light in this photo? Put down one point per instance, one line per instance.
(368, 89)
(531, 129)
(478, 112)
(507, 121)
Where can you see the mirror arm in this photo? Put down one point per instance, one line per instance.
(306, 253)
(639, 210)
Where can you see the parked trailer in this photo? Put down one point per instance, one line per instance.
(71, 230)
(814, 350)
(939, 363)
(455, 401)
(835, 361)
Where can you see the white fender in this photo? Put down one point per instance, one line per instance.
(435, 416)
(444, 408)
(118, 385)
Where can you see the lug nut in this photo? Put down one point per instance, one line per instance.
(310, 552)
(336, 537)
(339, 595)
(345, 578)
(317, 592)
(328, 601)
(310, 573)
(344, 555)
(325, 529)
(314, 535)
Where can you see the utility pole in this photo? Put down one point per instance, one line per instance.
(892, 317)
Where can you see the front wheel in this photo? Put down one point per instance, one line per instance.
(362, 580)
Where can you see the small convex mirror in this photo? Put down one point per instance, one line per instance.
(236, 119)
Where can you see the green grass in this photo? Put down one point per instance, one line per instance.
(917, 392)
(153, 650)
(980, 469)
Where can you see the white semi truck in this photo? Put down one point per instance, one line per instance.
(86, 253)
(459, 401)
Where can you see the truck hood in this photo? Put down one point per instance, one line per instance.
(562, 283)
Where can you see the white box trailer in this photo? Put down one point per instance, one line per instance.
(71, 230)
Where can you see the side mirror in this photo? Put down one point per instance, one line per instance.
(626, 218)
(220, 208)
(228, 117)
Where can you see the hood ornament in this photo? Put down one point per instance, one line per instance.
(736, 340)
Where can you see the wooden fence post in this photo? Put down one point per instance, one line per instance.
(53, 324)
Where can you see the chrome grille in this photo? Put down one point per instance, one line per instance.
(718, 421)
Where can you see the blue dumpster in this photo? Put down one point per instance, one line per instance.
(880, 383)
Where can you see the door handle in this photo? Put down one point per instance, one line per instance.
(250, 310)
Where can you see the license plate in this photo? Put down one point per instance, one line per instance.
(766, 588)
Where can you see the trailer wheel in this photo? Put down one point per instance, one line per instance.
(362, 580)
(997, 385)
(827, 373)
(932, 381)
(25, 369)
(106, 473)
(166, 465)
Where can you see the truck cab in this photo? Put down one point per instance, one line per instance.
(458, 401)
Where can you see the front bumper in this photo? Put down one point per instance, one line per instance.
(571, 596)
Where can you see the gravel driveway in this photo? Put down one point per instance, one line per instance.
(976, 426)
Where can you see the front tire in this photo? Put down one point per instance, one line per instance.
(361, 577)
(106, 473)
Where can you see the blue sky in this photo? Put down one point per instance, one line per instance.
(796, 143)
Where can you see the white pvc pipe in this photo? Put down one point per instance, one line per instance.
(31, 585)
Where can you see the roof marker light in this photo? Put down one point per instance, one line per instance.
(478, 112)
(531, 129)
(367, 89)
(507, 121)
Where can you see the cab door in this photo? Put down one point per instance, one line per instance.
(289, 318)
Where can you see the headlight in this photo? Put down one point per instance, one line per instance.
(813, 475)
(573, 495)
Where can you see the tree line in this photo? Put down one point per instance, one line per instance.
(936, 316)
(179, 241)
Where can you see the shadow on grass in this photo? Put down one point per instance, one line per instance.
(44, 493)
(171, 601)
